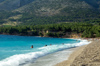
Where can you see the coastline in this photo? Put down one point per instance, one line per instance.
(90, 56)
(54, 58)
(59, 53)
(31, 57)
(74, 57)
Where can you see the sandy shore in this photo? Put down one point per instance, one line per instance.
(71, 58)
(88, 55)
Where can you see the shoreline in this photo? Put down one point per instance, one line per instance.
(79, 38)
(31, 57)
(75, 55)
(66, 54)
(72, 56)
(54, 58)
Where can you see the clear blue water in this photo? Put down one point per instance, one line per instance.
(17, 48)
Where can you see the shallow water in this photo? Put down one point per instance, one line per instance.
(52, 59)
(15, 50)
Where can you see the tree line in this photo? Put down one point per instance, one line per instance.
(88, 30)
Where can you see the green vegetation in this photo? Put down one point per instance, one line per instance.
(37, 12)
(6, 14)
(54, 30)
(53, 18)
(77, 15)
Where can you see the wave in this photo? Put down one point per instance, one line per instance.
(21, 59)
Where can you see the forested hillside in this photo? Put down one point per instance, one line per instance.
(49, 11)
(13, 4)
(50, 7)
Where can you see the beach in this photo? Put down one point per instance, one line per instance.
(87, 55)
(72, 56)
(55, 59)
(17, 49)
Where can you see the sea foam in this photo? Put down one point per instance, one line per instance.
(21, 59)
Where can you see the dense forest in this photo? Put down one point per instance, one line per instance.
(54, 30)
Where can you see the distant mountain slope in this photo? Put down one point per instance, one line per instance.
(50, 7)
(13, 4)
(93, 3)
(25, 2)
(50, 11)
(9, 4)
(1, 0)
(55, 11)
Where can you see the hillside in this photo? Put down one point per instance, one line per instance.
(13, 4)
(55, 11)
(9, 4)
(52, 11)
(51, 7)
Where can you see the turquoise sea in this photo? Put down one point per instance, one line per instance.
(17, 51)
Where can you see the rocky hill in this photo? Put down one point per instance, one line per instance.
(13, 4)
(52, 11)
(52, 7)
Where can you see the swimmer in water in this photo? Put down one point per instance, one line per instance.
(32, 46)
(45, 45)
(62, 43)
